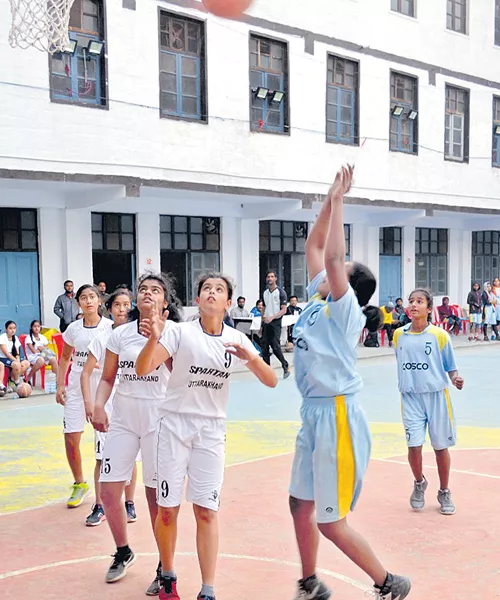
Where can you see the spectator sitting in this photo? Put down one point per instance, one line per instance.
(258, 309)
(292, 309)
(447, 317)
(240, 311)
(400, 314)
(389, 320)
(37, 349)
(10, 353)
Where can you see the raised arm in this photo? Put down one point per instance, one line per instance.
(315, 243)
(335, 241)
(153, 354)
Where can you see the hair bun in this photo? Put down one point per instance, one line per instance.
(374, 318)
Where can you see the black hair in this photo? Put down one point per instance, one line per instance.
(428, 296)
(273, 272)
(67, 281)
(31, 329)
(296, 297)
(364, 284)
(118, 292)
(14, 339)
(475, 283)
(215, 275)
(260, 300)
(86, 286)
(241, 298)
(166, 281)
(398, 299)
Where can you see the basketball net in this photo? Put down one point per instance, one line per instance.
(41, 24)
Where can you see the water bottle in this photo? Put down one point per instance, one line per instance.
(50, 383)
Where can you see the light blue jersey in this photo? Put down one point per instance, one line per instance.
(327, 334)
(424, 359)
(333, 445)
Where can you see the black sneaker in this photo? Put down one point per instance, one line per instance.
(286, 373)
(200, 597)
(130, 508)
(312, 589)
(119, 566)
(394, 588)
(154, 588)
(96, 517)
(3, 391)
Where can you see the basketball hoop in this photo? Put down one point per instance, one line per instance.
(41, 24)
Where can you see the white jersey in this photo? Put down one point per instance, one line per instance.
(39, 343)
(97, 348)
(126, 342)
(199, 382)
(79, 336)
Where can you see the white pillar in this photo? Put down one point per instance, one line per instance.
(408, 258)
(459, 265)
(231, 251)
(52, 261)
(78, 245)
(147, 242)
(250, 284)
(365, 249)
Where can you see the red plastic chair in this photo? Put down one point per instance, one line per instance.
(457, 310)
(22, 339)
(57, 338)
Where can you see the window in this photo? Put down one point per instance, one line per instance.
(404, 114)
(497, 22)
(431, 259)
(390, 241)
(496, 132)
(113, 232)
(342, 101)
(182, 67)
(456, 15)
(18, 232)
(456, 136)
(79, 77)
(347, 239)
(405, 7)
(268, 85)
(189, 247)
(485, 256)
(282, 247)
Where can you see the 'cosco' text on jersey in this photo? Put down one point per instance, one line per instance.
(409, 366)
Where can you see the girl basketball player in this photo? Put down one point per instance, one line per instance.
(333, 444)
(77, 338)
(135, 413)
(191, 427)
(118, 305)
(426, 361)
(37, 350)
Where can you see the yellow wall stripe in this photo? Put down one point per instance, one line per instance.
(346, 465)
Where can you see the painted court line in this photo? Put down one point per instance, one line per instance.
(274, 561)
(401, 462)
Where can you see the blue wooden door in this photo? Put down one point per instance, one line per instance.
(389, 279)
(19, 292)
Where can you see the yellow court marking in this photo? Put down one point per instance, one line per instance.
(35, 472)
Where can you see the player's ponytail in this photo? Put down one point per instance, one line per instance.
(374, 318)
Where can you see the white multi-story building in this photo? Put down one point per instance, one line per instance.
(190, 142)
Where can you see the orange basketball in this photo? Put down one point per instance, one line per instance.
(23, 390)
(227, 8)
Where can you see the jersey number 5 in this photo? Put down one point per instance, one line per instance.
(428, 348)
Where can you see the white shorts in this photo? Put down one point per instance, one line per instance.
(194, 447)
(74, 408)
(99, 436)
(131, 429)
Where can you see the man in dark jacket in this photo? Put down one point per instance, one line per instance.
(66, 307)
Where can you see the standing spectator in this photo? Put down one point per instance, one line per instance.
(275, 308)
(490, 317)
(475, 302)
(293, 309)
(389, 320)
(400, 312)
(66, 307)
(258, 309)
(240, 311)
(104, 298)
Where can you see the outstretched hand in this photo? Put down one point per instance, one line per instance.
(152, 327)
(342, 183)
(239, 351)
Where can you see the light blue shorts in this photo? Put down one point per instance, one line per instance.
(331, 456)
(476, 319)
(432, 411)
